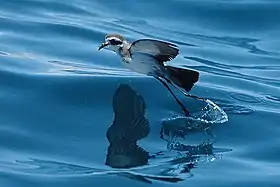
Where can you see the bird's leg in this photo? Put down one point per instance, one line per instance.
(187, 95)
(178, 101)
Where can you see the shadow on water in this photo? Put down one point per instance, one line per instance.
(128, 158)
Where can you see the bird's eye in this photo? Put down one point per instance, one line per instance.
(115, 42)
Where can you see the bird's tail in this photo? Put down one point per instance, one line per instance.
(184, 78)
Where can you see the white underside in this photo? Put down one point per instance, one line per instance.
(142, 64)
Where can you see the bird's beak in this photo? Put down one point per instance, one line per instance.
(104, 44)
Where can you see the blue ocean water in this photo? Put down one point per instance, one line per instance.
(64, 105)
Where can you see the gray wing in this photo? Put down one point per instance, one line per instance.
(161, 51)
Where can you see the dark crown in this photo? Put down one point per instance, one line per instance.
(117, 36)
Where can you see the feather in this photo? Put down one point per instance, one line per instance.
(161, 51)
(184, 78)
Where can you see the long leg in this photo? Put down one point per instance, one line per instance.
(178, 101)
(194, 96)
(188, 95)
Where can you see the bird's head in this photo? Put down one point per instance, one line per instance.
(113, 42)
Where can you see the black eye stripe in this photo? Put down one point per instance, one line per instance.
(115, 42)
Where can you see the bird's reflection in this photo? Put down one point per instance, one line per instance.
(129, 126)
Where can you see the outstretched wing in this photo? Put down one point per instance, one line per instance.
(161, 51)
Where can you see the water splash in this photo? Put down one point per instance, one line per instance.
(200, 120)
(211, 113)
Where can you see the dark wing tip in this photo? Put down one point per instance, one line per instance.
(191, 77)
(168, 51)
(184, 78)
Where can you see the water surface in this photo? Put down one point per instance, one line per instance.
(58, 122)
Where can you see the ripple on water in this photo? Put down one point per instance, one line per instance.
(273, 98)
(2, 53)
(238, 109)
(246, 43)
(231, 108)
(86, 69)
(245, 98)
(212, 63)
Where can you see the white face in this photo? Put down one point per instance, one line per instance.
(114, 43)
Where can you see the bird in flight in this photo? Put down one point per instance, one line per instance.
(149, 57)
